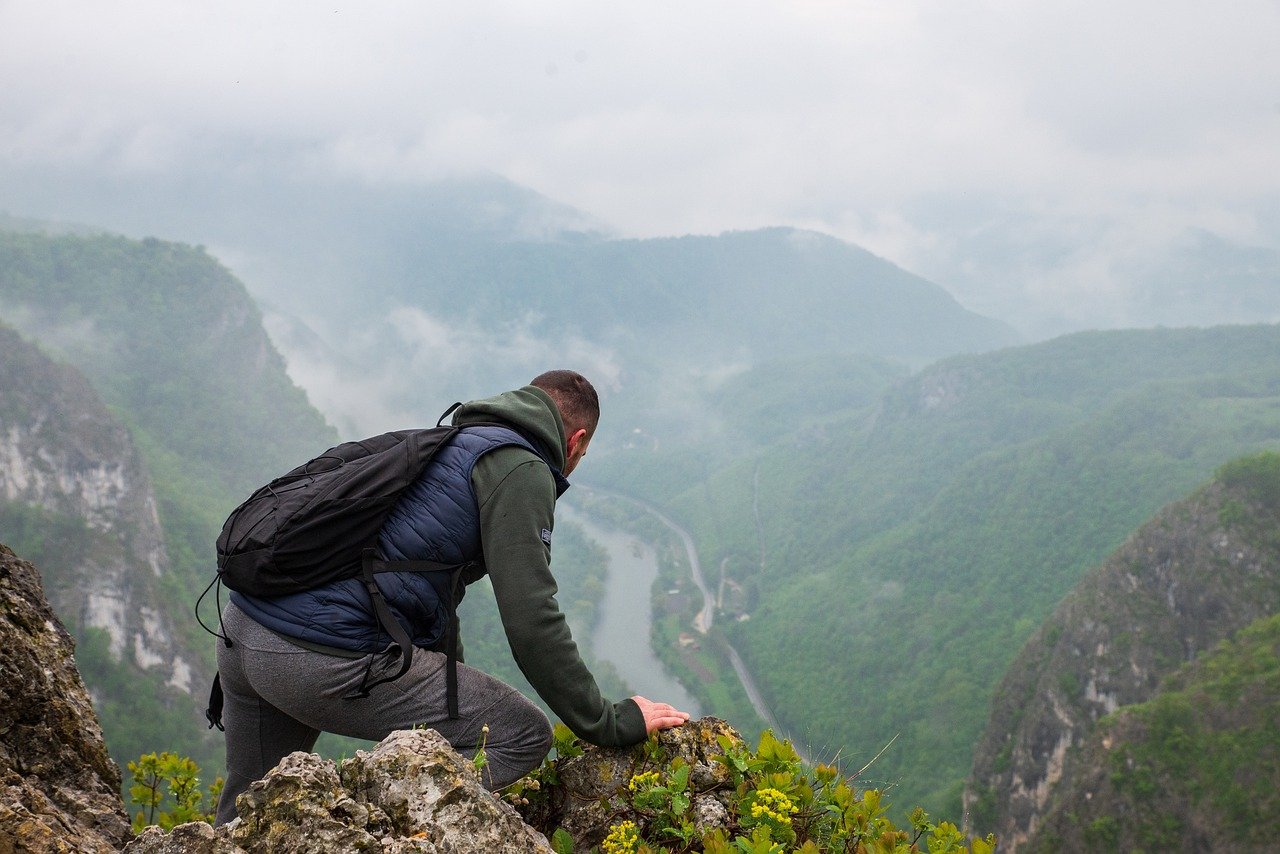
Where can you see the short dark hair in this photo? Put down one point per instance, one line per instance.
(574, 396)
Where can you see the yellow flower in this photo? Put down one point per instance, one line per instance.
(773, 805)
(647, 780)
(622, 839)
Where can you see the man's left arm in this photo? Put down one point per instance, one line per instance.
(516, 496)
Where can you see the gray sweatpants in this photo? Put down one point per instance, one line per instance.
(280, 697)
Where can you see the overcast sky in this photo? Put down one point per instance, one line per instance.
(1011, 151)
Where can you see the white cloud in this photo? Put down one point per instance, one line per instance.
(405, 370)
(902, 123)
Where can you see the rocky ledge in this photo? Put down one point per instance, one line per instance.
(60, 791)
(415, 793)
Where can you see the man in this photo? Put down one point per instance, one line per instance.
(297, 663)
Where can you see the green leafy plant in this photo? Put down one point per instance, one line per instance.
(481, 759)
(775, 804)
(167, 789)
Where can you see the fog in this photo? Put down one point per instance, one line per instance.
(1033, 159)
(363, 391)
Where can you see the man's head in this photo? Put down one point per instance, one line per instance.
(579, 407)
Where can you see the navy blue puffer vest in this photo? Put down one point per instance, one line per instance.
(437, 519)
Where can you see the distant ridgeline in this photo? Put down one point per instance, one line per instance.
(1145, 713)
(888, 558)
(166, 405)
(771, 293)
(664, 319)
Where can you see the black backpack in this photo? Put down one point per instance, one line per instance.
(319, 523)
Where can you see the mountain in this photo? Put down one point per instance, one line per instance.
(153, 405)
(175, 346)
(768, 293)
(657, 323)
(892, 561)
(1143, 712)
(1207, 280)
(1195, 768)
(75, 495)
(425, 294)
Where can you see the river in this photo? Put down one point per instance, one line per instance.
(622, 631)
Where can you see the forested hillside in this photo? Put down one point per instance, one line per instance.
(173, 345)
(76, 498)
(1052, 769)
(892, 562)
(1192, 769)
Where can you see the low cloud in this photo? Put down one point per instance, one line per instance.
(908, 126)
(407, 369)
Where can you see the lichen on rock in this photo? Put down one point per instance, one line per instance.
(414, 793)
(591, 794)
(411, 793)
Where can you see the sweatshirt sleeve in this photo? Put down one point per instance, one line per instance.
(516, 497)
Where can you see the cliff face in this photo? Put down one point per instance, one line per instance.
(1196, 768)
(59, 790)
(174, 405)
(1203, 569)
(75, 497)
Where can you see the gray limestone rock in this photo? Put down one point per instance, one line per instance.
(411, 793)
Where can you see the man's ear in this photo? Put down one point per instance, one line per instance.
(576, 438)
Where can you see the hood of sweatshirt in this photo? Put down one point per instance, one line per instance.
(530, 410)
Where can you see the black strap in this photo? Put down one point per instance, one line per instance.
(371, 564)
(399, 637)
(447, 413)
(217, 601)
(213, 714)
(451, 646)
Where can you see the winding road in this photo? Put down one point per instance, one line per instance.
(703, 621)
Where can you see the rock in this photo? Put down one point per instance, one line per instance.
(414, 793)
(709, 813)
(411, 793)
(59, 790)
(428, 791)
(1201, 570)
(589, 796)
(301, 806)
(198, 837)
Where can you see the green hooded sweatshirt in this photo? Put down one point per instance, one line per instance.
(516, 494)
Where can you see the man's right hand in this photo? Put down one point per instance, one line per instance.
(659, 715)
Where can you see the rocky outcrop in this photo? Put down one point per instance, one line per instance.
(414, 793)
(590, 793)
(410, 793)
(1203, 569)
(60, 790)
(1194, 769)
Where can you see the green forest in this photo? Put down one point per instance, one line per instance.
(895, 559)
(1202, 756)
(173, 345)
